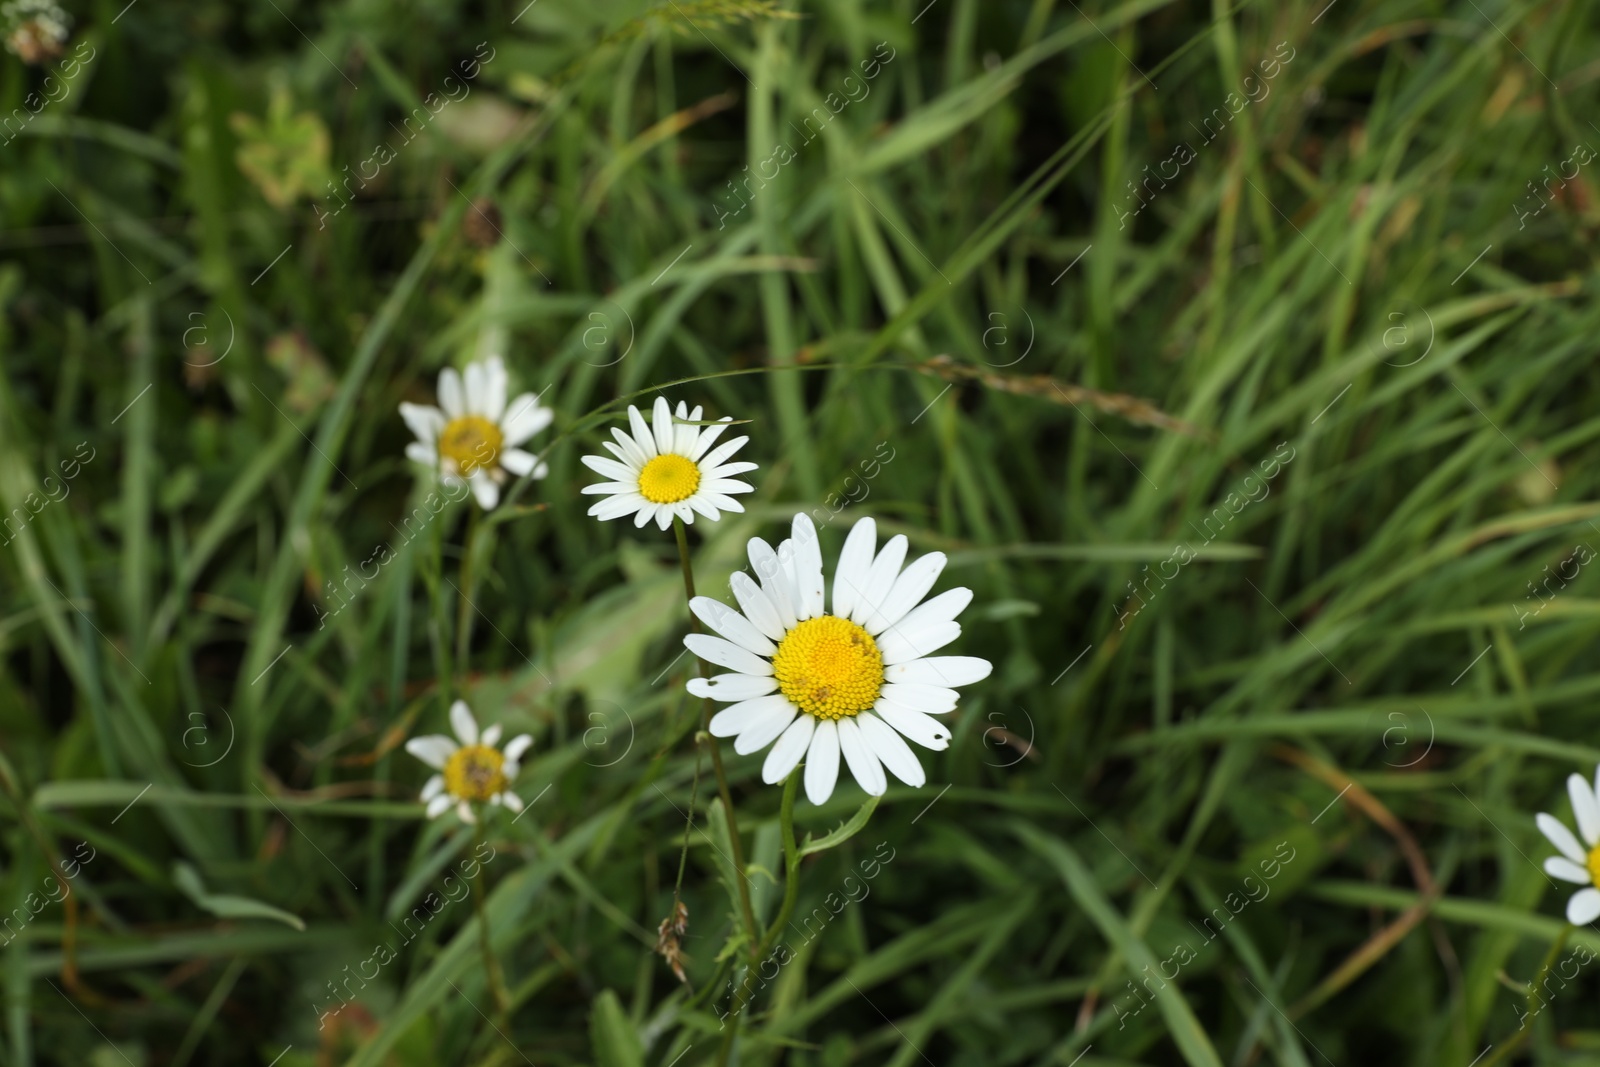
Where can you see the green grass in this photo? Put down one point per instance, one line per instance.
(1337, 285)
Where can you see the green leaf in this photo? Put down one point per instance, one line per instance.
(857, 823)
(226, 905)
(616, 1042)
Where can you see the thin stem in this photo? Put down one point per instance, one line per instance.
(791, 891)
(1521, 1036)
(464, 606)
(716, 753)
(497, 984)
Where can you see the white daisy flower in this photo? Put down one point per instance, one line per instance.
(1578, 864)
(851, 682)
(474, 438)
(474, 771)
(668, 469)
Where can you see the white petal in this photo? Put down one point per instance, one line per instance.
(701, 504)
(490, 736)
(1584, 907)
(439, 805)
(684, 436)
(518, 462)
(880, 578)
(728, 470)
(930, 699)
(1584, 808)
(785, 755)
(894, 753)
(763, 732)
(863, 763)
(757, 606)
(434, 786)
(855, 560)
(476, 382)
(496, 387)
(425, 454)
(646, 514)
(661, 422)
(737, 718)
(451, 396)
(822, 762)
(461, 720)
(906, 593)
(732, 687)
(641, 433)
(517, 746)
(774, 580)
(630, 448)
(611, 469)
(524, 417)
(724, 486)
(617, 506)
(944, 671)
(664, 513)
(1558, 835)
(484, 490)
(719, 455)
(806, 554)
(727, 655)
(708, 437)
(900, 645)
(923, 729)
(425, 421)
(942, 608)
(433, 749)
(1564, 869)
(730, 624)
(510, 800)
(464, 810)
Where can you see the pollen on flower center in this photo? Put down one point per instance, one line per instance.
(668, 479)
(474, 773)
(829, 667)
(472, 441)
(1594, 865)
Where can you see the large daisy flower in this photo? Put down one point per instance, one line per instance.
(668, 468)
(850, 682)
(1578, 864)
(471, 772)
(475, 437)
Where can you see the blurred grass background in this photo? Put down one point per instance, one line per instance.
(973, 300)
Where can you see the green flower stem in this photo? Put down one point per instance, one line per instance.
(1521, 1036)
(711, 745)
(464, 605)
(791, 891)
(497, 983)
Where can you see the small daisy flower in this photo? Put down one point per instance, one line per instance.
(475, 437)
(35, 29)
(472, 772)
(850, 682)
(668, 469)
(1578, 864)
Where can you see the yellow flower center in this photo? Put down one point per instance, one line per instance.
(1594, 865)
(472, 441)
(669, 479)
(473, 773)
(829, 667)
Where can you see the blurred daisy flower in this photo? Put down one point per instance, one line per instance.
(471, 772)
(475, 437)
(850, 682)
(35, 29)
(668, 468)
(1578, 864)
